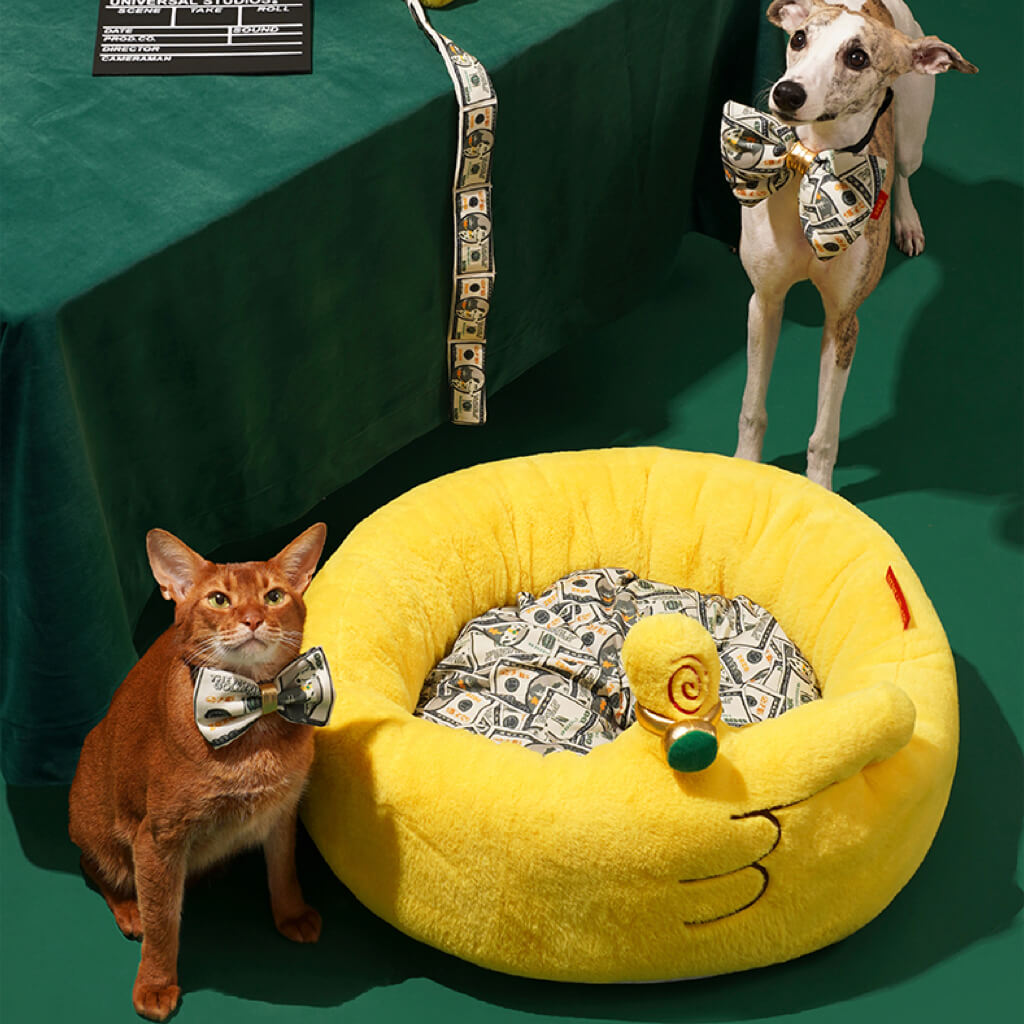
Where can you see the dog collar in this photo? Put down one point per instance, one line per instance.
(858, 146)
(800, 157)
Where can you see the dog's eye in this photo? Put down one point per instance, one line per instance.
(799, 40)
(857, 59)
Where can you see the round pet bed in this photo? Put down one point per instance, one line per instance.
(612, 866)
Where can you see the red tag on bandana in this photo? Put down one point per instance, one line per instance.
(883, 198)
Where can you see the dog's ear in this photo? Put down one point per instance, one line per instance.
(931, 56)
(789, 15)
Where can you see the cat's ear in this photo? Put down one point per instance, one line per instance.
(298, 560)
(175, 565)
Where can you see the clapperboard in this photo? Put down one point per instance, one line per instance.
(203, 37)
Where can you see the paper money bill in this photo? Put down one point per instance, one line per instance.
(468, 354)
(472, 304)
(467, 377)
(475, 291)
(471, 319)
(475, 258)
(474, 228)
(475, 170)
(477, 143)
(473, 201)
(478, 128)
(474, 81)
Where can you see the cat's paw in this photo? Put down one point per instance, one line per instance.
(128, 918)
(124, 908)
(155, 1002)
(304, 927)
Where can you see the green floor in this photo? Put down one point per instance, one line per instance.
(932, 447)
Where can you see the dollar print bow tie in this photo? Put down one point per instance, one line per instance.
(227, 704)
(839, 191)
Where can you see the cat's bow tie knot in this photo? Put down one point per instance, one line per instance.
(226, 704)
(839, 191)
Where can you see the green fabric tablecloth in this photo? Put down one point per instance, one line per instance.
(225, 297)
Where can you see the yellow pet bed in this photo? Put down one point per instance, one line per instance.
(613, 866)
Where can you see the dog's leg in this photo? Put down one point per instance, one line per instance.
(838, 342)
(775, 256)
(912, 107)
(843, 283)
(764, 320)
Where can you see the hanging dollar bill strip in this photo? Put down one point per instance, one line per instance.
(473, 273)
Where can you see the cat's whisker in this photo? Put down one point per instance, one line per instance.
(206, 651)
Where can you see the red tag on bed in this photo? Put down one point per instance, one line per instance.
(883, 198)
(901, 600)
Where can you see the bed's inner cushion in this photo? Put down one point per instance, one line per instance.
(546, 674)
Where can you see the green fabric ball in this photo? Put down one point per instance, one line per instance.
(693, 751)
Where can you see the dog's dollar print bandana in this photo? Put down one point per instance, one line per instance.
(226, 704)
(473, 273)
(838, 190)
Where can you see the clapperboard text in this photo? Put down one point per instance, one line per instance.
(203, 37)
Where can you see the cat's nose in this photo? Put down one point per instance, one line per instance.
(253, 620)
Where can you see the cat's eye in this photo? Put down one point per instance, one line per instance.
(219, 600)
(274, 596)
(857, 59)
(799, 40)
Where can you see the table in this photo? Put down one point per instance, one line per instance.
(225, 297)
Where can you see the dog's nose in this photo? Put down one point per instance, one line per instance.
(788, 96)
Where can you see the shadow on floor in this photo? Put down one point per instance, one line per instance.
(959, 393)
(931, 920)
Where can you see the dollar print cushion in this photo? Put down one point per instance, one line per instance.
(547, 674)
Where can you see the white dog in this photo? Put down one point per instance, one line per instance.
(845, 65)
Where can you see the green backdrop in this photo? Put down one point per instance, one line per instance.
(932, 447)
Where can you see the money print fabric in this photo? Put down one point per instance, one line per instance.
(546, 674)
(838, 192)
(226, 704)
(473, 271)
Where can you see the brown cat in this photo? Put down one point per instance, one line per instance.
(153, 801)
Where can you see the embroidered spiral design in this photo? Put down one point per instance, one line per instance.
(689, 686)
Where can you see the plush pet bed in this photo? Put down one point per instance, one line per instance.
(610, 865)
